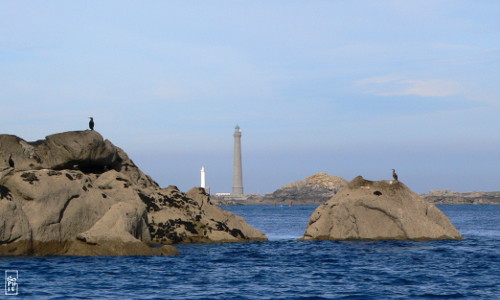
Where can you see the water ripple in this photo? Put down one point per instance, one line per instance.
(284, 268)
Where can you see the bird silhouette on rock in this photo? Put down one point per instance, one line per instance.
(394, 175)
(91, 123)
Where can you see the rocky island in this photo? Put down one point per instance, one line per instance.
(75, 193)
(315, 189)
(450, 197)
(378, 210)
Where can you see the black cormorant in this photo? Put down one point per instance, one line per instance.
(91, 123)
(11, 162)
(394, 175)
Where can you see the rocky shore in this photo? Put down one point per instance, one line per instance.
(449, 197)
(75, 193)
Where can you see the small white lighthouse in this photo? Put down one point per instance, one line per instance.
(203, 182)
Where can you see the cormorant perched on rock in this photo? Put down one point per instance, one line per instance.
(91, 123)
(394, 175)
(11, 162)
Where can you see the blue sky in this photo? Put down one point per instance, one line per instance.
(344, 87)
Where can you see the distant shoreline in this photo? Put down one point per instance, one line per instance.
(435, 197)
(321, 187)
(449, 197)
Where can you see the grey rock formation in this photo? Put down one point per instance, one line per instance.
(315, 189)
(378, 210)
(77, 194)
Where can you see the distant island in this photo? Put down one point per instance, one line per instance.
(319, 188)
(449, 197)
(315, 189)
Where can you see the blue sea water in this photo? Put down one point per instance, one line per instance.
(284, 268)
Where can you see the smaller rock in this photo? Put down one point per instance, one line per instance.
(378, 210)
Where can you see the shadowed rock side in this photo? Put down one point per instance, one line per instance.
(77, 194)
(378, 210)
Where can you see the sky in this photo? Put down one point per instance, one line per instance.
(343, 87)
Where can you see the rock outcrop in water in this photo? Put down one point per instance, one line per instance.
(378, 210)
(77, 194)
(315, 189)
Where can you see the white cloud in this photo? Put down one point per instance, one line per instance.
(394, 86)
(430, 88)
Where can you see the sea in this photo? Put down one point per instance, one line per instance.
(283, 268)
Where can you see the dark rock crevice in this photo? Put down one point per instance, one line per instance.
(63, 210)
(5, 193)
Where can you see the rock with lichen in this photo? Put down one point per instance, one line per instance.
(77, 194)
(191, 217)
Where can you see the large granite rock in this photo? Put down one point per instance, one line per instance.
(77, 194)
(378, 210)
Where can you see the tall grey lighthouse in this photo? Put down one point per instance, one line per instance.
(237, 169)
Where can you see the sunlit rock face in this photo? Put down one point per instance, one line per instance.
(77, 194)
(378, 210)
